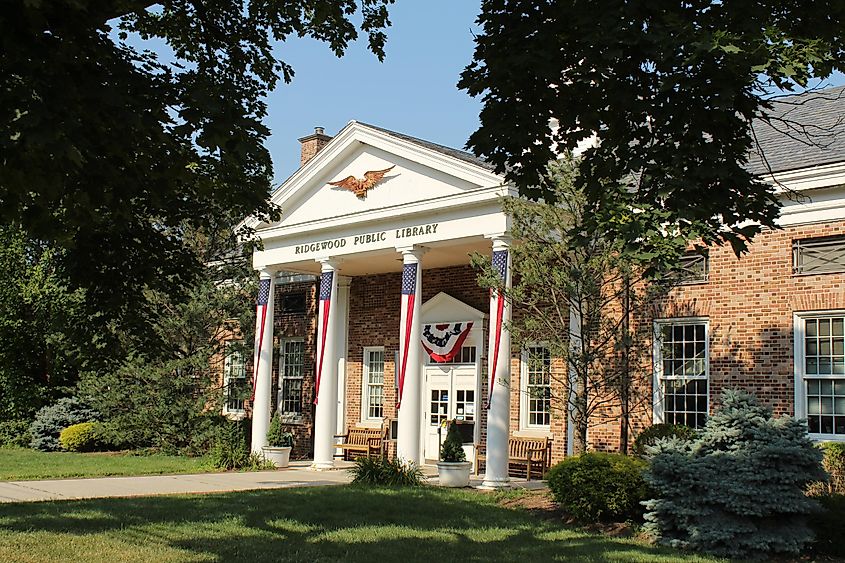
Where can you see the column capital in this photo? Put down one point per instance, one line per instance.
(344, 281)
(328, 264)
(501, 241)
(267, 273)
(411, 253)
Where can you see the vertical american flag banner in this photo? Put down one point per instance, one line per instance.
(409, 290)
(264, 286)
(326, 284)
(500, 266)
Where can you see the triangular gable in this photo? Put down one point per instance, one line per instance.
(445, 308)
(420, 176)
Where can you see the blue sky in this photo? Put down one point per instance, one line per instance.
(414, 91)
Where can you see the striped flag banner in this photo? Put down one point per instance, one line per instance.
(409, 290)
(500, 266)
(264, 286)
(326, 282)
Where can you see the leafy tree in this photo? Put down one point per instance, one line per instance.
(108, 149)
(670, 90)
(41, 322)
(560, 267)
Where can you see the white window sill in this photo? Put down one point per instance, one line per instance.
(827, 437)
(533, 433)
(371, 423)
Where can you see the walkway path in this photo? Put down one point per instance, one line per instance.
(297, 475)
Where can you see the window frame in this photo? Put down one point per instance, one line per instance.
(810, 242)
(365, 417)
(684, 277)
(524, 399)
(799, 319)
(282, 377)
(227, 377)
(658, 400)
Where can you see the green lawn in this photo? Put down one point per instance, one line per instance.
(22, 464)
(343, 523)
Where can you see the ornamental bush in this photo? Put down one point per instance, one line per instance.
(385, 472)
(598, 486)
(231, 446)
(277, 436)
(14, 433)
(51, 420)
(452, 449)
(82, 437)
(655, 432)
(738, 489)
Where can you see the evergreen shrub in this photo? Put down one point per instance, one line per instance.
(14, 433)
(737, 489)
(655, 432)
(451, 449)
(382, 471)
(277, 436)
(51, 420)
(231, 446)
(599, 486)
(82, 437)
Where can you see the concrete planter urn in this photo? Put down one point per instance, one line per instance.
(279, 457)
(454, 473)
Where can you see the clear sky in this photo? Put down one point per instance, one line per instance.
(413, 91)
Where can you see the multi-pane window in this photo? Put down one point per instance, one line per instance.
(292, 303)
(291, 371)
(439, 406)
(682, 369)
(537, 385)
(234, 378)
(824, 374)
(373, 383)
(466, 355)
(465, 404)
(694, 267)
(818, 256)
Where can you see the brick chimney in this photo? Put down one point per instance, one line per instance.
(312, 144)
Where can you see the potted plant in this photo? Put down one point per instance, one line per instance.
(279, 443)
(453, 467)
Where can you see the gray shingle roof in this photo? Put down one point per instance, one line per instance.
(456, 153)
(809, 130)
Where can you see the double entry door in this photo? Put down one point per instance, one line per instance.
(451, 394)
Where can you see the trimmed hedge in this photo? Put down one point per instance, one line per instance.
(82, 437)
(598, 486)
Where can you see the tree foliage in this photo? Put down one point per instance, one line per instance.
(670, 90)
(109, 150)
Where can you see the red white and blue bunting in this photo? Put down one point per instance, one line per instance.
(443, 341)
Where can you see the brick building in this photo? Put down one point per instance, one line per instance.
(373, 284)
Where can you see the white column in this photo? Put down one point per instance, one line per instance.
(262, 363)
(342, 346)
(409, 439)
(499, 374)
(325, 420)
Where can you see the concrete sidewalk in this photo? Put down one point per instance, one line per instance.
(297, 475)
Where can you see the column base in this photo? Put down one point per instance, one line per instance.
(322, 466)
(491, 483)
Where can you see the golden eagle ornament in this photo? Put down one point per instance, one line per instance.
(360, 186)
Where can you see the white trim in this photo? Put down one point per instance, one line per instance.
(808, 178)
(524, 404)
(657, 359)
(227, 355)
(800, 402)
(281, 377)
(365, 387)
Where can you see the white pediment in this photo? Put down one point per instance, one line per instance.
(421, 179)
(443, 308)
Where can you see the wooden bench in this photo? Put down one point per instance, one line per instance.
(361, 442)
(530, 454)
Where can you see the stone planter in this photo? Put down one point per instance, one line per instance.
(280, 457)
(454, 473)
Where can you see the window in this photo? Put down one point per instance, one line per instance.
(694, 268)
(373, 405)
(234, 378)
(536, 384)
(291, 370)
(818, 256)
(465, 356)
(820, 366)
(293, 303)
(681, 368)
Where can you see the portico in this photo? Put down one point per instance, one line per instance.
(390, 264)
